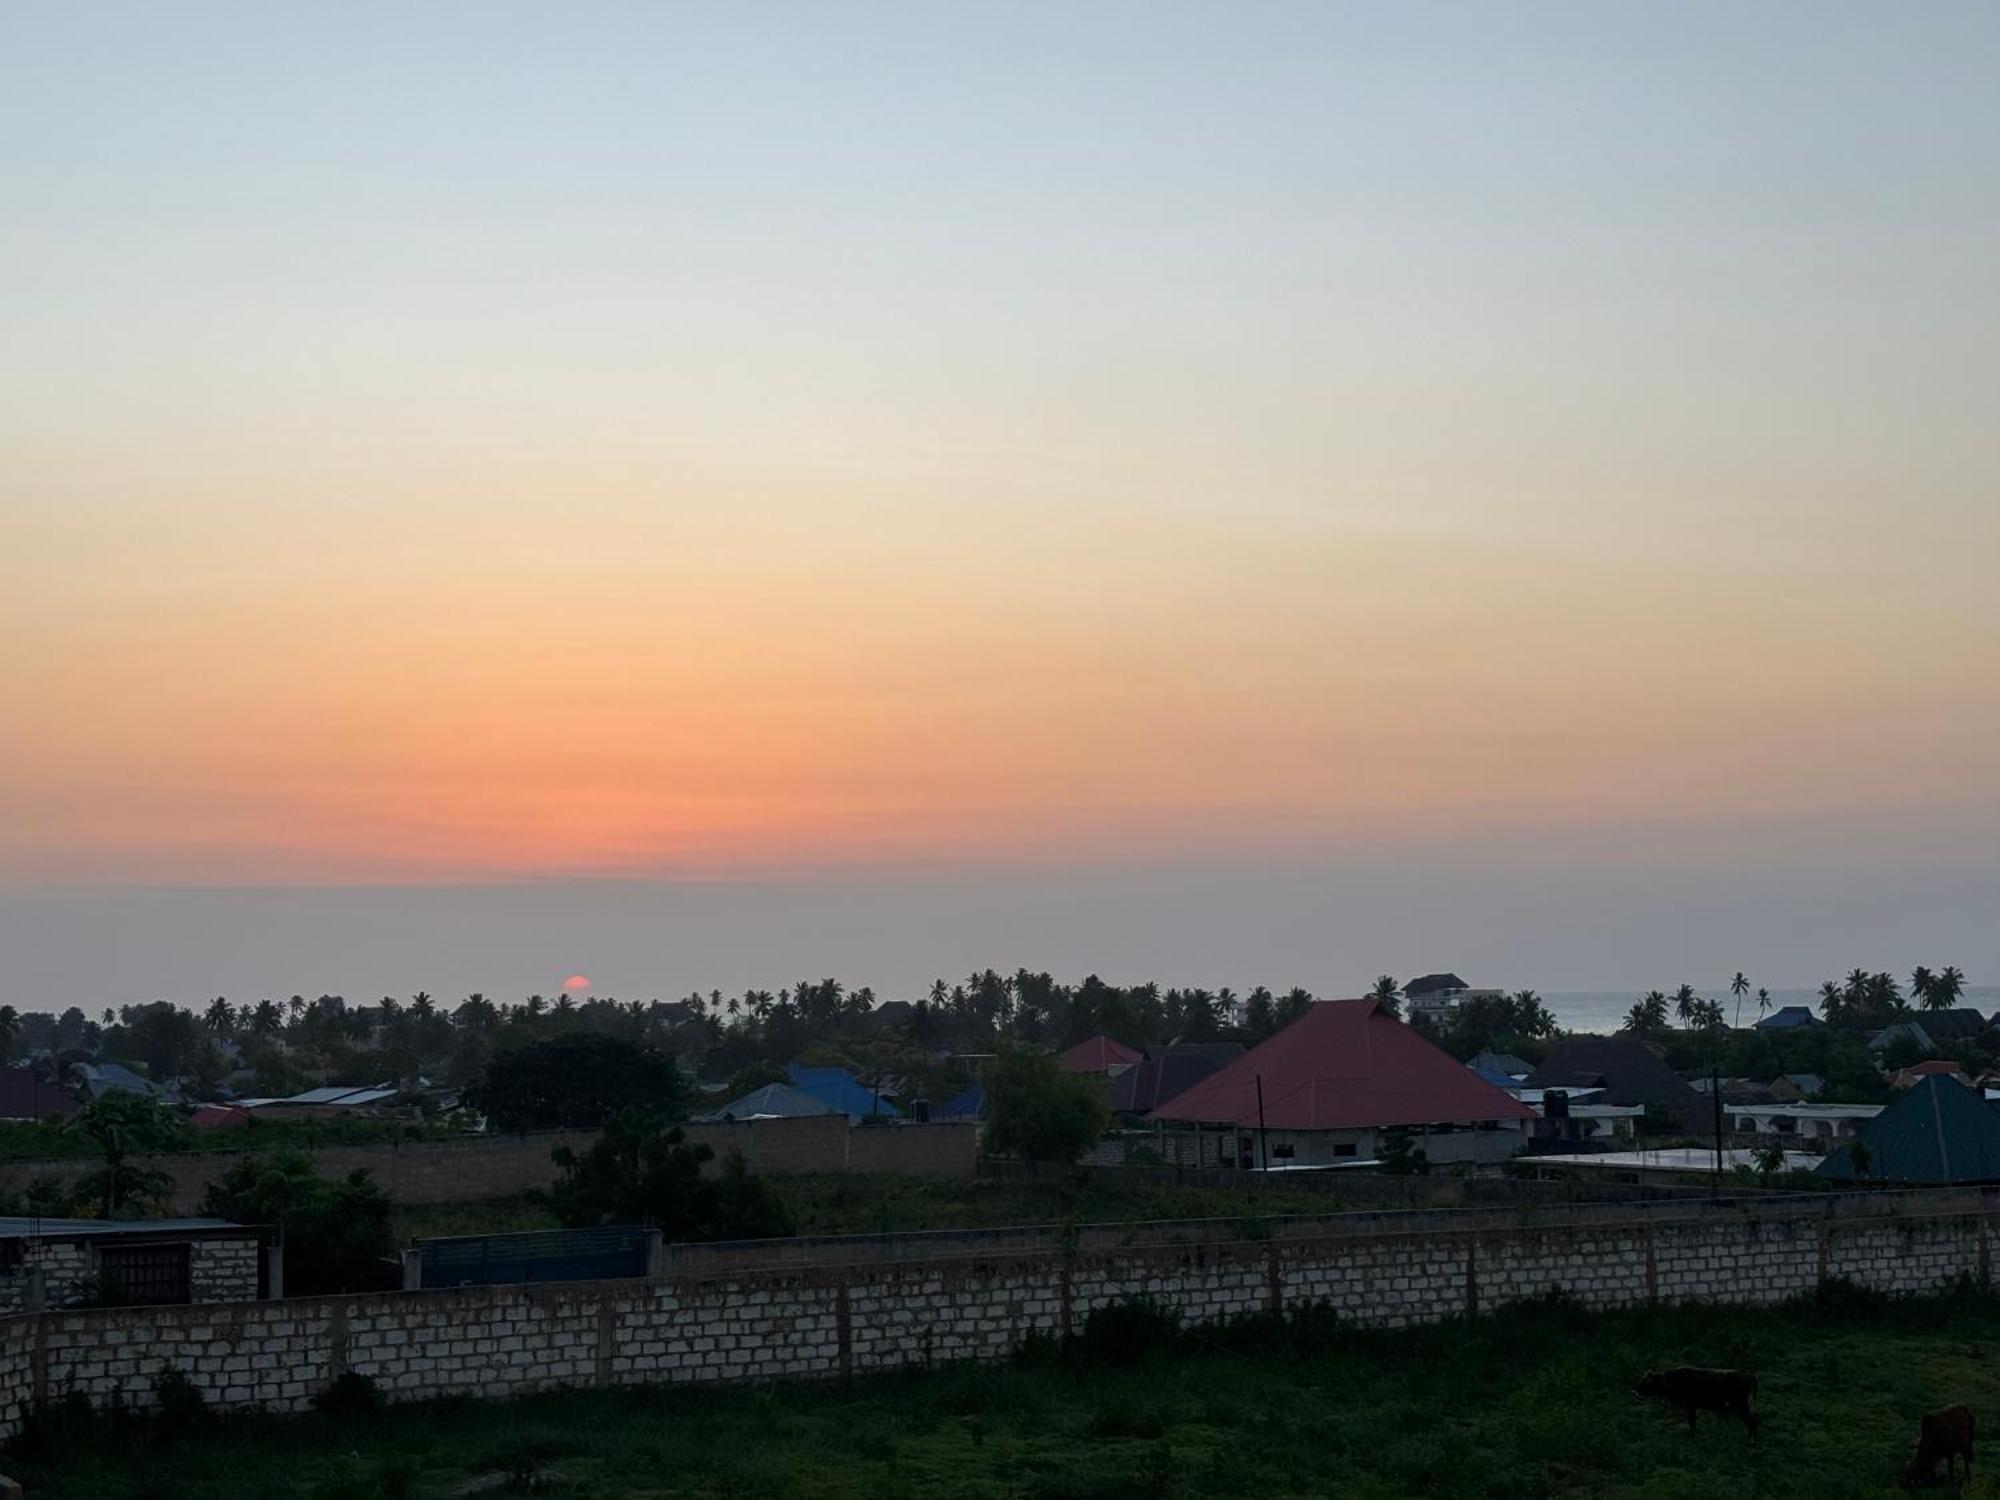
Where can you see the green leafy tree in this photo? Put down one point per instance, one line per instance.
(337, 1232)
(576, 1081)
(643, 1171)
(123, 1125)
(1040, 1112)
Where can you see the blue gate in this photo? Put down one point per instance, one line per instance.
(538, 1255)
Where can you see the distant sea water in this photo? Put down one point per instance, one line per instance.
(1604, 1011)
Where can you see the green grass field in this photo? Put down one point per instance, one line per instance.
(1532, 1402)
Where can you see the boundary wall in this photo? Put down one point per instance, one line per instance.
(734, 1322)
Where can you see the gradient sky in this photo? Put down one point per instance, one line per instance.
(1509, 486)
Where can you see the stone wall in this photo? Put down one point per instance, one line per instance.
(225, 1270)
(478, 1168)
(812, 1322)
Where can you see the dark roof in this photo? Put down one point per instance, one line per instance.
(1627, 1071)
(1785, 1017)
(1951, 1025)
(71, 1229)
(23, 1096)
(1433, 984)
(1097, 1054)
(1344, 1065)
(1166, 1072)
(772, 1099)
(1936, 1131)
(1500, 1062)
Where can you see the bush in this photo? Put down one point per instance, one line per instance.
(1040, 1112)
(337, 1234)
(1129, 1332)
(643, 1171)
(350, 1396)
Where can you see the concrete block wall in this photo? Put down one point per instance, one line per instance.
(224, 1270)
(817, 1322)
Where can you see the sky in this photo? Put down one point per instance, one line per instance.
(706, 495)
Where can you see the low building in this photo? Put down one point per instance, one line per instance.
(1799, 1120)
(1937, 1131)
(1786, 1018)
(1628, 1071)
(1581, 1116)
(774, 1101)
(1668, 1166)
(842, 1091)
(1935, 1067)
(25, 1095)
(1165, 1073)
(1432, 996)
(49, 1263)
(1100, 1055)
(1345, 1082)
(336, 1102)
(1933, 1029)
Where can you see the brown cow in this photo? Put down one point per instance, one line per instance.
(1728, 1392)
(1946, 1434)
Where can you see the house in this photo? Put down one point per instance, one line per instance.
(774, 1101)
(1790, 1086)
(46, 1263)
(1787, 1018)
(1503, 1063)
(26, 1096)
(1813, 1122)
(101, 1078)
(339, 1101)
(1932, 1030)
(1098, 1054)
(1629, 1072)
(219, 1116)
(1579, 1115)
(844, 1092)
(1735, 1090)
(1432, 996)
(1935, 1067)
(1342, 1083)
(1164, 1073)
(1935, 1131)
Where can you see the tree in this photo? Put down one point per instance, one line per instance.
(1739, 987)
(1763, 1001)
(1685, 1001)
(643, 1171)
(336, 1233)
(10, 1032)
(576, 1081)
(122, 1125)
(1648, 1015)
(1388, 994)
(1946, 987)
(1040, 1112)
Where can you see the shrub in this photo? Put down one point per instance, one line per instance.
(350, 1396)
(1041, 1113)
(337, 1234)
(579, 1081)
(640, 1170)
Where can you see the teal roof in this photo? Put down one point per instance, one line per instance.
(1938, 1131)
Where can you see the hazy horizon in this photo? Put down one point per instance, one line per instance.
(1273, 492)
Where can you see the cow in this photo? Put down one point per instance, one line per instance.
(1727, 1392)
(1945, 1435)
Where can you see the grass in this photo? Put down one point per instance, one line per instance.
(1534, 1401)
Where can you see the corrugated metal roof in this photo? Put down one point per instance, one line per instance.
(1936, 1131)
(12, 1228)
(1344, 1065)
(1097, 1054)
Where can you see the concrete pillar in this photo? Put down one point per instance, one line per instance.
(274, 1272)
(656, 1254)
(34, 1289)
(413, 1270)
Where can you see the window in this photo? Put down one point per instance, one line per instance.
(1345, 1148)
(1284, 1152)
(143, 1275)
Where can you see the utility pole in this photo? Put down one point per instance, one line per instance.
(1263, 1139)
(1715, 1096)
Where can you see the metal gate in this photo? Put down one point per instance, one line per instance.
(539, 1255)
(143, 1275)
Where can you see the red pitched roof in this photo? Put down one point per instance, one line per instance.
(1097, 1055)
(1345, 1065)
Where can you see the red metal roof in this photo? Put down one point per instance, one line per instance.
(1097, 1055)
(1345, 1065)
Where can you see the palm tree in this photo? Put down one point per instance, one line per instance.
(1654, 1004)
(1739, 987)
(1685, 1001)
(1947, 986)
(1920, 985)
(221, 1016)
(1387, 994)
(266, 1018)
(1763, 1001)
(1832, 1000)
(10, 1031)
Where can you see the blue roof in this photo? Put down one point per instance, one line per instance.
(779, 1099)
(1498, 1079)
(839, 1089)
(966, 1106)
